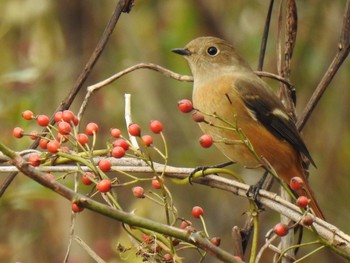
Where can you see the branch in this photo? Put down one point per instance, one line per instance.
(168, 73)
(342, 54)
(332, 236)
(265, 36)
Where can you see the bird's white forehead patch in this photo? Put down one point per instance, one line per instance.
(280, 113)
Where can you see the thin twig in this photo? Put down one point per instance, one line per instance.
(166, 72)
(342, 54)
(265, 36)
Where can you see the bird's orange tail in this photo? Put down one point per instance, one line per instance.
(298, 171)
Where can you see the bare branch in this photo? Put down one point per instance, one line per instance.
(265, 36)
(342, 54)
(168, 73)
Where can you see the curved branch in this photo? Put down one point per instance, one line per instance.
(166, 72)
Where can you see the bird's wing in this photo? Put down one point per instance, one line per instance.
(270, 112)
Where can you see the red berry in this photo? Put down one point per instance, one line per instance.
(91, 128)
(115, 132)
(215, 241)
(43, 143)
(105, 165)
(58, 116)
(168, 257)
(27, 115)
(197, 116)
(296, 183)
(138, 192)
(83, 138)
(118, 152)
(68, 116)
(104, 186)
(146, 238)
(156, 184)
(156, 126)
(185, 106)
(86, 178)
(122, 143)
(34, 159)
(53, 146)
(18, 132)
(42, 120)
(185, 224)
(147, 139)
(175, 242)
(75, 121)
(308, 220)
(281, 229)
(33, 135)
(206, 141)
(76, 208)
(302, 201)
(134, 129)
(197, 211)
(64, 128)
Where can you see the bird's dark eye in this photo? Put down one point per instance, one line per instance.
(212, 51)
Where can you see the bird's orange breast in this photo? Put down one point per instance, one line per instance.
(224, 101)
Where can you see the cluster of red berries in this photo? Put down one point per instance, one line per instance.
(186, 106)
(65, 131)
(155, 126)
(296, 183)
(66, 123)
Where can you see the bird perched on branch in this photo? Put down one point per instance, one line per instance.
(225, 86)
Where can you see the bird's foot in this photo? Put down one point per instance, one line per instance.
(253, 191)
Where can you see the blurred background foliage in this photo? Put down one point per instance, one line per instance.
(45, 44)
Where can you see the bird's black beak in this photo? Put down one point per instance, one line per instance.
(182, 51)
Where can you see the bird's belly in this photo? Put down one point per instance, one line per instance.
(249, 145)
(231, 145)
(227, 105)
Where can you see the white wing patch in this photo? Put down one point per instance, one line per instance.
(280, 113)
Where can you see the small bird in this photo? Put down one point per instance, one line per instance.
(226, 86)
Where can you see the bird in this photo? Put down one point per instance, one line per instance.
(226, 88)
